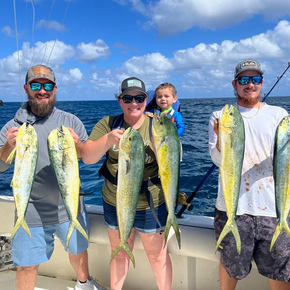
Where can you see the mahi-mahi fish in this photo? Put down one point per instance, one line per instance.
(26, 155)
(64, 161)
(232, 146)
(282, 177)
(130, 176)
(167, 147)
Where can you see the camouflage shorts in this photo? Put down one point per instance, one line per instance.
(256, 233)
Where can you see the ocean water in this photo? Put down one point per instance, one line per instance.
(196, 161)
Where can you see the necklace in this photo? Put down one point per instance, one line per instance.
(250, 116)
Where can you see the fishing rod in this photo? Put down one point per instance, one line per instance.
(278, 79)
(186, 203)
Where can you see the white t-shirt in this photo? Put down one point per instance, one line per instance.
(257, 195)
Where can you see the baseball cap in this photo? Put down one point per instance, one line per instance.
(39, 71)
(132, 84)
(248, 64)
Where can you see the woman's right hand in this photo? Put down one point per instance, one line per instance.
(114, 136)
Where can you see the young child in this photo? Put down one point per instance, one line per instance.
(165, 96)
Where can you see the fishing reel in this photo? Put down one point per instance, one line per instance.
(182, 200)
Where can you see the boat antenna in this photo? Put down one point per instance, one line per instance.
(58, 31)
(212, 168)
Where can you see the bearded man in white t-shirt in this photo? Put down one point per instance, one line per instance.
(256, 216)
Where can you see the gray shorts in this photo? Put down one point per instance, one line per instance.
(256, 234)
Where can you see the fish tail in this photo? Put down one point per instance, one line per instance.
(126, 248)
(20, 223)
(282, 225)
(287, 229)
(69, 233)
(171, 221)
(230, 226)
(75, 225)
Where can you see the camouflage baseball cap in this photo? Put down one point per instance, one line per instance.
(39, 71)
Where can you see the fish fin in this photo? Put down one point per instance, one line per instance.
(282, 225)
(123, 246)
(69, 233)
(11, 156)
(20, 223)
(172, 221)
(75, 225)
(230, 226)
(287, 229)
(275, 235)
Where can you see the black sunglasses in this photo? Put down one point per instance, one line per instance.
(37, 86)
(127, 99)
(256, 80)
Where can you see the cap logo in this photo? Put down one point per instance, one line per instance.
(40, 70)
(248, 63)
(134, 83)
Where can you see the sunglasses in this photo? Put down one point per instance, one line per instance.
(127, 99)
(256, 80)
(37, 86)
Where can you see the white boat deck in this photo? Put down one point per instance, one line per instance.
(7, 282)
(195, 266)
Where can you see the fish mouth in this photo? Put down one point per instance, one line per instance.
(128, 135)
(228, 109)
(60, 130)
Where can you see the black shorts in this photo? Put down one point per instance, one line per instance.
(256, 234)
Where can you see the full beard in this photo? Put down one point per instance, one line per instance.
(41, 109)
(248, 102)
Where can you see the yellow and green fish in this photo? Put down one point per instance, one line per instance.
(282, 177)
(167, 146)
(64, 160)
(26, 155)
(130, 176)
(232, 146)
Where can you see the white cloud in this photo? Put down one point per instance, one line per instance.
(8, 31)
(171, 16)
(73, 75)
(54, 25)
(272, 44)
(88, 52)
(210, 66)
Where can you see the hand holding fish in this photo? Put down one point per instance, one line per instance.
(216, 130)
(78, 144)
(74, 135)
(114, 136)
(10, 143)
(11, 136)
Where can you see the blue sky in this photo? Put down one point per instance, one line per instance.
(93, 44)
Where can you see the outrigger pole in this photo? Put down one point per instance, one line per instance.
(204, 179)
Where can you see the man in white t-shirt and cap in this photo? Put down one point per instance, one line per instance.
(256, 216)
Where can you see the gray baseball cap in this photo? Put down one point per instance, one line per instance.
(132, 84)
(248, 64)
(39, 71)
